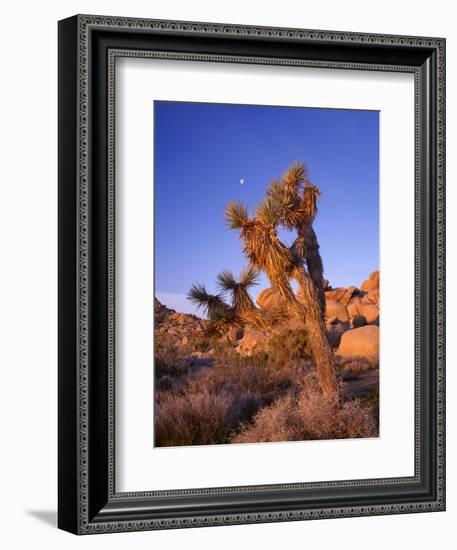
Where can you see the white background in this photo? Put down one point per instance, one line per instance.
(139, 466)
(29, 274)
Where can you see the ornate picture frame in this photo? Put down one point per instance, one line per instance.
(88, 48)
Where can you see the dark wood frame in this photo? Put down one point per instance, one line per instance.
(88, 502)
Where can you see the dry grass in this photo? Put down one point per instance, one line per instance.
(203, 418)
(311, 415)
(352, 368)
(269, 374)
(168, 360)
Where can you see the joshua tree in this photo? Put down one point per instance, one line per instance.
(290, 203)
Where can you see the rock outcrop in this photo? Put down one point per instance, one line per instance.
(360, 342)
(350, 309)
(372, 283)
(363, 302)
(267, 299)
(334, 332)
(252, 339)
(335, 311)
(180, 328)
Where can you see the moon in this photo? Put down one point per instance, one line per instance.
(242, 181)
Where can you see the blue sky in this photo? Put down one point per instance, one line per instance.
(204, 151)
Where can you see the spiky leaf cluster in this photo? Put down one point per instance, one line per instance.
(294, 177)
(213, 305)
(291, 200)
(308, 202)
(223, 316)
(263, 248)
(238, 289)
(236, 215)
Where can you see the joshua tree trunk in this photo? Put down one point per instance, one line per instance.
(311, 315)
(314, 262)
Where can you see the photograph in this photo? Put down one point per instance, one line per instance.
(266, 274)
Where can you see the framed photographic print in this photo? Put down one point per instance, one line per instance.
(251, 274)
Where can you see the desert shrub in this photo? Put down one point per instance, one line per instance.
(278, 350)
(311, 415)
(288, 346)
(168, 360)
(275, 366)
(259, 373)
(203, 418)
(353, 368)
(164, 382)
(200, 342)
(358, 321)
(371, 400)
(225, 357)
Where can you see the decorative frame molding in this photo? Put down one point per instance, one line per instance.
(88, 503)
